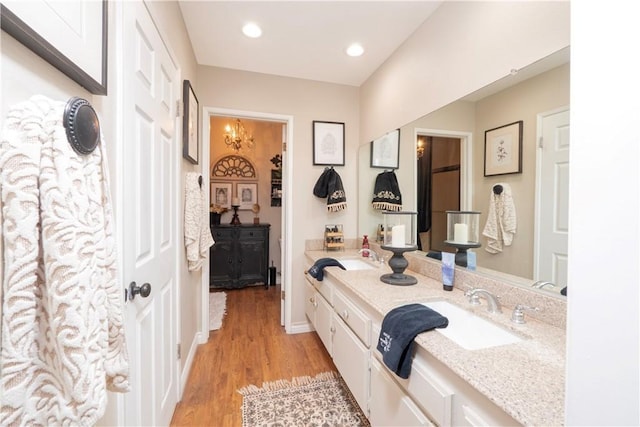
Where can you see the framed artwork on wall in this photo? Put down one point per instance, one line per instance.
(190, 124)
(385, 151)
(247, 195)
(221, 194)
(328, 143)
(503, 149)
(77, 49)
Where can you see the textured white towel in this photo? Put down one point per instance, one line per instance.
(197, 234)
(501, 220)
(63, 341)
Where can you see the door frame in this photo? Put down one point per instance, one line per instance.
(466, 162)
(537, 230)
(287, 213)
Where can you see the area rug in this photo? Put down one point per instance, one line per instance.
(217, 309)
(323, 400)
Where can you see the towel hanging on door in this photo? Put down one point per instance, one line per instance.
(63, 342)
(197, 234)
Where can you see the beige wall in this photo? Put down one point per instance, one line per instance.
(462, 47)
(306, 101)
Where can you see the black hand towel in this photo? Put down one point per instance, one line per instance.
(317, 269)
(386, 192)
(399, 328)
(329, 185)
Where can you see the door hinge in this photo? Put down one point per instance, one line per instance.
(284, 146)
(540, 144)
(178, 108)
(282, 295)
(179, 351)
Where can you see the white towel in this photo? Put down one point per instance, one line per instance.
(63, 341)
(197, 234)
(501, 220)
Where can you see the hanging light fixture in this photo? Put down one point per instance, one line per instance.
(420, 146)
(236, 136)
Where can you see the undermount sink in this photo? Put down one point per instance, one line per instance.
(469, 330)
(355, 264)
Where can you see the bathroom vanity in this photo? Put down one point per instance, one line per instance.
(519, 383)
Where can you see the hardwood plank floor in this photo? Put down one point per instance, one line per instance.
(250, 348)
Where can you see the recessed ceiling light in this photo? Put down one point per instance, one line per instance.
(355, 50)
(252, 30)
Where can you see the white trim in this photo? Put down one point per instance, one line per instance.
(286, 201)
(188, 361)
(538, 182)
(300, 328)
(466, 162)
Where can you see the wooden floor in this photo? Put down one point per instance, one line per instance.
(250, 348)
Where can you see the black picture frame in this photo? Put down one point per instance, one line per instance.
(190, 124)
(15, 26)
(503, 149)
(385, 151)
(328, 143)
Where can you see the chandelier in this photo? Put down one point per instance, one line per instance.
(236, 136)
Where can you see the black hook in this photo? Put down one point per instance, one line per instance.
(497, 189)
(200, 180)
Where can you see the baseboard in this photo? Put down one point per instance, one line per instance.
(300, 328)
(188, 362)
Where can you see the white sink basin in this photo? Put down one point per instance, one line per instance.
(470, 331)
(355, 264)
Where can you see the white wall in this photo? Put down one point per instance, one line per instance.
(604, 243)
(306, 101)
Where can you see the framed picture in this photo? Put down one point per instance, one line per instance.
(328, 143)
(247, 195)
(385, 151)
(190, 124)
(503, 149)
(221, 194)
(76, 48)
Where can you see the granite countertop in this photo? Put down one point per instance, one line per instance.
(525, 379)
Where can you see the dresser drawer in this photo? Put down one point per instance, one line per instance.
(352, 316)
(220, 234)
(252, 233)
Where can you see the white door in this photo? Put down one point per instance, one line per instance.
(151, 89)
(553, 198)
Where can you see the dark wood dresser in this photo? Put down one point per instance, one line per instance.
(240, 256)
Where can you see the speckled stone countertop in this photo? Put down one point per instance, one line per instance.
(525, 379)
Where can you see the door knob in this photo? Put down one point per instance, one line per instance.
(144, 290)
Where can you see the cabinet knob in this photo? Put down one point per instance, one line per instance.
(345, 314)
(333, 329)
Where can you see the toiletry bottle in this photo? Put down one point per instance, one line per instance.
(365, 246)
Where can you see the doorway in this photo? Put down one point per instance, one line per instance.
(443, 171)
(280, 129)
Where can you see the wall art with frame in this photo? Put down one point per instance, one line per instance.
(77, 48)
(385, 151)
(247, 195)
(328, 143)
(190, 124)
(221, 194)
(503, 149)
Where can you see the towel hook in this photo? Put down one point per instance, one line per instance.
(497, 189)
(200, 180)
(82, 126)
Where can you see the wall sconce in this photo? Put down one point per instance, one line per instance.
(420, 146)
(236, 136)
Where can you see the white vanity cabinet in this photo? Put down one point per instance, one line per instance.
(389, 404)
(319, 312)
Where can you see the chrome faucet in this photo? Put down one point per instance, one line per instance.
(493, 303)
(542, 283)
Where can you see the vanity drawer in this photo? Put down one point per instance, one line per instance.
(353, 316)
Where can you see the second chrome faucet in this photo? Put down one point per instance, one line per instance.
(493, 303)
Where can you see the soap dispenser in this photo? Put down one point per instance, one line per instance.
(365, 246)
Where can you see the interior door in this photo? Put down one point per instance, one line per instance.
(151, 88)
(553, 198)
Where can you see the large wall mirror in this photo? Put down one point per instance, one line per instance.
(531, 95)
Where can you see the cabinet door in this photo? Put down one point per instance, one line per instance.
(389, 405)
(310, 302)
(351, 358)
(222, 270)
(251, 263)
(324, 314)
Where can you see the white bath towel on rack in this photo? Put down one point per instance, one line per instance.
(63, 341)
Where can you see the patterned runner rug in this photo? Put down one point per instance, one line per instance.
(217, 309)
(323, 400)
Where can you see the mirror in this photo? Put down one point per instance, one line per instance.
(541, 87)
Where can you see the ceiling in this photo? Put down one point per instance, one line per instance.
(302, 39)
